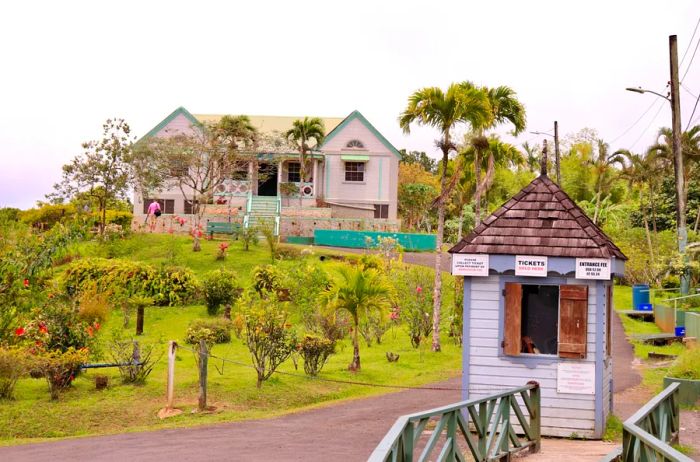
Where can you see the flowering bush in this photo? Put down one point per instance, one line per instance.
(223, 248)
(60, 368)
(268, 335)
(210, 330)
(315, 351)
(415, 297)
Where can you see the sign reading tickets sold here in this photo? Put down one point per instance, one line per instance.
(527, 265)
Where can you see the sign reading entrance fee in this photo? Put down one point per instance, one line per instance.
(592, 268)
(530, 266)
(470, 265)
(576, 378)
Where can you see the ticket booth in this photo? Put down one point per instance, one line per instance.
(538, 305)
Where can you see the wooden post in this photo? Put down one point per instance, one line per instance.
(203, 360)
(139, 320)
(172, 346)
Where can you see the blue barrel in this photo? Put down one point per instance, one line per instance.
(640, 295)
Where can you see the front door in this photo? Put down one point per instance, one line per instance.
(267, 179)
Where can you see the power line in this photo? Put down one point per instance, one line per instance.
(687, 90)
(647, 127)
(692, 113)
(635, 122)
(690, 42)
(691, 59)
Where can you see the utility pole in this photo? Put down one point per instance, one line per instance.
(556, 151)
(678, 162)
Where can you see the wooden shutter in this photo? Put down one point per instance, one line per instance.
(573, 321)
(512, 330)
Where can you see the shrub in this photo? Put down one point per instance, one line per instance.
(93, 306)
(59, 368)
(136, 361)
(48, 215)
(415, 299)
(266, 278)
(288, 252)
(331, 324)
(267, 228)
(210, 330)
(219, 288)
(14, 364)
(373, 327)
(222, 251)
(315, 351)
(307, 281)
(248, 236)
(687, 365)
(371, 261)
(268, 335)
(166, 285)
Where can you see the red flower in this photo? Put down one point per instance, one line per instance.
(43, 329)
(419, 289)
(89, 331)
(96, 325)
(19, 331)
(26, 283)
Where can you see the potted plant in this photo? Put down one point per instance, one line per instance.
(686, 371)
(288, 190)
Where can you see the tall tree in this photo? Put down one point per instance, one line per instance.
(360, 292)
(462, 103)
(505, 108)
(102, 171)
(602, 163)
(421, 158)
(301, 134)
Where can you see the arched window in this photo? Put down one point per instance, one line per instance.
(355, 144)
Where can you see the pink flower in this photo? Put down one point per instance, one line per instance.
(419, 290)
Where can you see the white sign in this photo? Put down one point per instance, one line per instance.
(578, 378)
(470, 265)
(530, 266)
(593, 268)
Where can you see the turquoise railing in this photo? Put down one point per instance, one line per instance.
(490, 437)
(647, 435)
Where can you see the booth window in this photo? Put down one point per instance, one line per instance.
(354, 171)
(167, 206)
(293, 172)
(545, 319)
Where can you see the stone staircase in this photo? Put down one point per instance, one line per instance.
(261, 210)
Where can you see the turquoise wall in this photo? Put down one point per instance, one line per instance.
(356, 239)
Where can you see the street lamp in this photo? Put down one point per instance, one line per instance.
(677, 157)
(556, 149)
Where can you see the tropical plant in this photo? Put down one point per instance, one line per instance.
(59, 368)
(462, 103)
(359, 293)
(210, 330)
(301, 134)
(136, 360)
(315, 351)
(220, 287)
(14, 364)
(248, 235)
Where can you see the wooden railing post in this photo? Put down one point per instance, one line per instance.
(172, 346)
(535, 417)
(203, 361)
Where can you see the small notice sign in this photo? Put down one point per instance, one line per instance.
(530, 266)
(470, 265)
(593, 268)
(578, 378)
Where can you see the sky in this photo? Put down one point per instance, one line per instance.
(67, 66)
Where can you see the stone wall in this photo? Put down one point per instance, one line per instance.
(302, 226)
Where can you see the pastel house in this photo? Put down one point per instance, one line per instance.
(537, 306)
(353, 177)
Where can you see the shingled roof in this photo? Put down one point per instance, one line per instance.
(540, 220)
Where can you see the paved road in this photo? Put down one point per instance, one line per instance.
(345, 432)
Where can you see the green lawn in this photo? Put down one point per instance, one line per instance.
(232, 389)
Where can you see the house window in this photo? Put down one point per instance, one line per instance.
(166, 205)
(355, 144)
(381, 210)
(293, 172)
(354, 171)
(240, 172)
(190, 209)
(546, 320)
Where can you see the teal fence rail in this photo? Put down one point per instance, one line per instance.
(692, 325)
(649, 433)
(491, 435)
(359, 239)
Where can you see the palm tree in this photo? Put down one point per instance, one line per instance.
(301, 133)
(505, 108)
(532, 157)
(602, 167)
(690, 147)
(462, 103)
(361, 291)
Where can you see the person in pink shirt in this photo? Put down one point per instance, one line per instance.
(154, 212)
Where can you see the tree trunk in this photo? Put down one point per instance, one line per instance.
(139, 320)
(196, 245)
(649, 243)
(437, 291)
(652, 203)
(103, 219)
(355, 364)
(461, 223)
(477, 194)
(597, 207)
(697, 221)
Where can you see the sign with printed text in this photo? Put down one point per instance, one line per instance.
(578, 378)
(530, 266)
(470, 265)
(593, 268)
